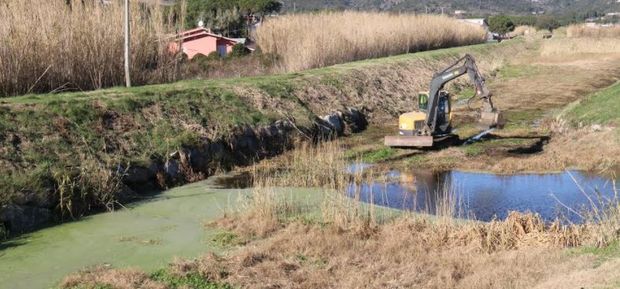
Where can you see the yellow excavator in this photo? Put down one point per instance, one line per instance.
(431, 123)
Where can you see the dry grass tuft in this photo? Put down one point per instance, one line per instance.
(101, 277)
(523, 30)
(529, 230)
(567, 46)
(583, 31)
(320, 39)
(410, 252)
(52, 46)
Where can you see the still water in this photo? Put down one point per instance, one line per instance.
(483, 196)
(148, 235)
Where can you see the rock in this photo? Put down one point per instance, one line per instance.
(127, 194)
(172, 169)
(335, 122)
(596, 128)
(138, 176)
(154, 168)
(218, 151)
(355, 120)
(19, 219)
(198, 159)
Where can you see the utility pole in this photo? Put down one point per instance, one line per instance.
(127, 46)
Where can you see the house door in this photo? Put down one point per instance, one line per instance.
(221, 50)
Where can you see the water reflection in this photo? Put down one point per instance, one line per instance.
(484, 196)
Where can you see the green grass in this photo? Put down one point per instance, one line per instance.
(190, 281)
(602, 107)
(483, 146)
(463, 93)
(516, 71)
(602, 254)
(371, 156)
(473, 150)
(226, 239)
(522, 119)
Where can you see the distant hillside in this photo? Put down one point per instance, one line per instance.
(449, 6)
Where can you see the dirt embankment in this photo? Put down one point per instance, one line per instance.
(63, 156)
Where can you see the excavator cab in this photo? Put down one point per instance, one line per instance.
(412, 123)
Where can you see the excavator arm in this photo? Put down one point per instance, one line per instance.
(466, 65)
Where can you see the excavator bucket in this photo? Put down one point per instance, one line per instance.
(409, 141)
(491, 120)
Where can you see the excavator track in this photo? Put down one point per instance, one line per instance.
(418, 141)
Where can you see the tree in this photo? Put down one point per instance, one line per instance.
(260, 6)
(501, 24)
(228, 17)
(547, 22)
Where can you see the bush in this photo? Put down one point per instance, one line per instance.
(201, 60)
(214, 56)
(239, 50)
(501, 24)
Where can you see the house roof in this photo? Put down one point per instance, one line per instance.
(200, 32)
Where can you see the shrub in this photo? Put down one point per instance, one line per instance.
(501, 24)
(239, 50)
(201, 60)
(214, 56)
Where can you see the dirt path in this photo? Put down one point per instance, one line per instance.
(551, 83)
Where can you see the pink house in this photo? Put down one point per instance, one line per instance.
(202, 41)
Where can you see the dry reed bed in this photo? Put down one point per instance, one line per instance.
(583, 31)
(567, 46)
(523, 30)
(51, 46)
(327, 38)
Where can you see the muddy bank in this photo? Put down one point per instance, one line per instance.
(191, 163)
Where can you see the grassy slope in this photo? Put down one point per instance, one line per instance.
(600, 108)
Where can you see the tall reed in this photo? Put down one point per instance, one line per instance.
(51, 45)
(315, 40)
